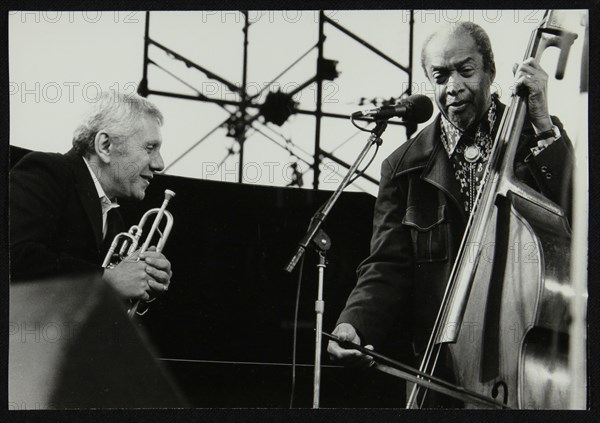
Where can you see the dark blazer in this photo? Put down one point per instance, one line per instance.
(55, 217)
(417, 228)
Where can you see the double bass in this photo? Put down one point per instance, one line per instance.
(504, 318)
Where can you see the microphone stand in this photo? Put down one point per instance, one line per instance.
(321, 242)
(325, 244)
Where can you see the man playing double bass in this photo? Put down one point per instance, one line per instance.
(428, 187)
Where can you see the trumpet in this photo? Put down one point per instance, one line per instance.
(125, 244)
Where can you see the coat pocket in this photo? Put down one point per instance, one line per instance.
(429, 232)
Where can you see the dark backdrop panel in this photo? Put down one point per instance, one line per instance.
(231, 302)
(230, 298)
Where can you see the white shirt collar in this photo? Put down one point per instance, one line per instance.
(106, 203)
(450, 136)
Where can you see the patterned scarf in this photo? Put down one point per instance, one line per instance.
(469, 155)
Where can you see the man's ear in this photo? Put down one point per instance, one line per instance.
(492, 73)
(103, 147)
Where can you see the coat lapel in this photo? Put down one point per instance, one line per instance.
(427, 153)
(439, 172)
(88, 194)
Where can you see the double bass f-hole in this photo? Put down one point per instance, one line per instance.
(496, 391)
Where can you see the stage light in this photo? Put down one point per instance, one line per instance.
(278, 107)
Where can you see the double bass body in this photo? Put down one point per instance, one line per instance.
(514, 337)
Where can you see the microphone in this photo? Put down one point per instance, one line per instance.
(417, 108)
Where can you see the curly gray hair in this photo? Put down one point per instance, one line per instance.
(117, 114)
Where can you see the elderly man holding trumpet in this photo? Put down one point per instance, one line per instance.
(63, 207)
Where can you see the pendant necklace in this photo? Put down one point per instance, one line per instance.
(472, 153)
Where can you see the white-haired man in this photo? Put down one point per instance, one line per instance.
(63, 207)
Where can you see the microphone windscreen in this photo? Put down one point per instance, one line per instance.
(421, 108)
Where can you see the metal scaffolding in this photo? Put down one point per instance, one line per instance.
(277, 106)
